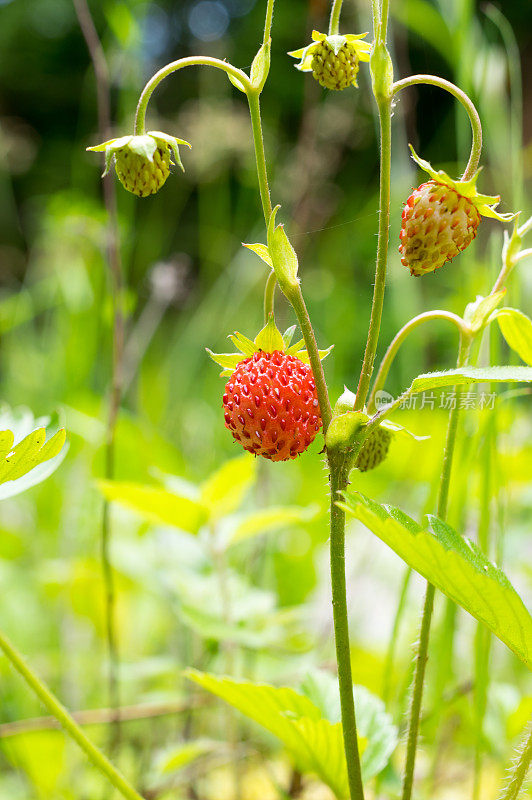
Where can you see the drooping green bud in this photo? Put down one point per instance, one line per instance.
(142, 163)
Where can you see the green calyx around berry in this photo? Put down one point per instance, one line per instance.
(268, 340)
(484, 203)
(347, 434)
(142, 162)
(333, 60)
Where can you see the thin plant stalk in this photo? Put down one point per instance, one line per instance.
(385, 124)
(114, 261)
(57, 710)
(428, 606)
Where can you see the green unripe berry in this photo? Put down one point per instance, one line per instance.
(335, 70)
(138, 174)
(374, 450)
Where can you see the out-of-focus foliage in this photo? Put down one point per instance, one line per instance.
(221, 573)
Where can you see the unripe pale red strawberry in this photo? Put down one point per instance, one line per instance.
(437, 224)
(440, 219)
(271, 406)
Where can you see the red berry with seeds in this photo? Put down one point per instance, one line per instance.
(271, 406)
(437, 224)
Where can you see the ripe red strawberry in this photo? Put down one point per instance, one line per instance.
(437, 224)
(440, 219)
(271, 406)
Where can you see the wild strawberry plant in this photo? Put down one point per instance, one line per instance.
(276, 401)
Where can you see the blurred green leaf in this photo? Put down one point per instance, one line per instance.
(516, 328)
(19, 457)
(454, 565)
(315, 744)
(422, 18)
(183, 754)
(223, 492)
(156, 505)
(270, 519)
(373, 722)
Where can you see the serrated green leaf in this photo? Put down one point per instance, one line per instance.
(156, 504)
(270, 519)
(223, 492)
(516, 328)
(269, 338)
(315, 744)
(262, 251)
(455, 566)
(466, 375)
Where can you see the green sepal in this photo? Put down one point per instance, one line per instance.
(478, 313)
(484, 203)
(261, 66)
(262, 251)
(335, 42)
(267, 340)
(283, 256)
(144, 146)
(346, 431)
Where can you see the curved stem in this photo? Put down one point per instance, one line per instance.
(338, 481)
(269, 296)
(399, 338)
(334, 21)
(174, 66)
(67, 722)
(523, 254)
(382, 256)
(462, 97)
(423, 642)
(519, 772)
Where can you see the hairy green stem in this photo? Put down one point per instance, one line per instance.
(298, 303)
(260, 157)
(462, 97)
(269, 296)
(366, 372)
(268, 22)
(520, 770)
(398, 340)
(338, 480)
(423, 642)
(334, 20)
(174, 66)
(67, 722)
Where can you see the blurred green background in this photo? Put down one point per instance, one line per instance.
(190, 284)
